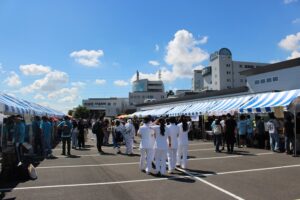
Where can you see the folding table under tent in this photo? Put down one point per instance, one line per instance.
(266, 102)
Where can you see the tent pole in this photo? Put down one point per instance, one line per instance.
(295, 131)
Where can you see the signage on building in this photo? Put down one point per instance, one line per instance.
(214, 56)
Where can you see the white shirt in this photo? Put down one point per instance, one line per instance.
(160, 140)
(147, 135)
(130, 131)
(173, 132)
(183, 136)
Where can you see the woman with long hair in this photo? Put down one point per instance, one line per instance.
(160, 146)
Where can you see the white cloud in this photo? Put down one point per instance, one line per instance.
(203, 40)
(289, 1)
(100, 81)
(121, 83)
(156, 47)
(183, 54)
(296, 21)
(154, 62)
(13, 80)
(78, 84)
(1, 69)
(294, 54)
(52, 81)
(66, 95)
(34, 69)
(88, 58)
(291, 43)
(39, 97)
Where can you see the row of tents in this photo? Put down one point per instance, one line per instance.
(249, 103)
(10, 105)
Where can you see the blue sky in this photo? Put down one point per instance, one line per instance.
(58, 52)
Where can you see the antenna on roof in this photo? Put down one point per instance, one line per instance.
(159, 74)
(137, 75)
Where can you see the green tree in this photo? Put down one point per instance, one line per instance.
(170, 93)
(70, 112)
(81, 112)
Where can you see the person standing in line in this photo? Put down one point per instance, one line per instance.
(242, 130)
(260, 132)
(161, 146)
(173, 131)
(118, 135)
(273, 128)
(98, 130)
(249, 131)
(81, 139)
(37, 134)
(19, 137)
(146, 146)
(222, 122)
(106, 132)
(230, 130)
(66, 127)
(217, 130)
(183, 143)
(289, 134)
(129, 135)
(74, 134)
(46, 128)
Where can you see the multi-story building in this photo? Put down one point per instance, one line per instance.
(144, 90)
(197, 80)
(109, 106)
(223, 72)
(273, 77)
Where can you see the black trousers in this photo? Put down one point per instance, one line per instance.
(100, 137)
(64, 141)
(38, 145)
(81, 140)
(230, 143)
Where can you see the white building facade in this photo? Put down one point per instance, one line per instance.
(224, 73)
(110, 106)
(274, 77)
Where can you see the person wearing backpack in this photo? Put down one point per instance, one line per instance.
(65, 126)
(273, 128)
(217, 130)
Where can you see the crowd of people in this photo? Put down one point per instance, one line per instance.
(245, 132)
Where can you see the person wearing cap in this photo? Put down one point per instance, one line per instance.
(146, 145)
(129, 135)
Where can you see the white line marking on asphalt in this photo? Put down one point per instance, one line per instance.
(91, 184)
(210, 184)
(134, 163)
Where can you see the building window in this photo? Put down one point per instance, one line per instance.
(228, 87)
(108, 104)
(269, 80)
(228, 80)
(228, 72)
(256, 82)
(241, 66)
(275, 78)
(242, 80)
(227, 65)
(249, 66)
(262, 80)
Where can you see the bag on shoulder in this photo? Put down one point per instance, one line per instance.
(217, 130)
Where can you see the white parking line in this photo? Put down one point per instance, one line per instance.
(91, 184)
(135, 163)
(210, 184)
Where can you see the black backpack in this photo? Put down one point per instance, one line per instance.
(95, 127)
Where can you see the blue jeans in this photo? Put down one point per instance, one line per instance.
(274, 141)
(218, 139)
(288, 141)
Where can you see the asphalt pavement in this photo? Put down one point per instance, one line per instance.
(247, 174)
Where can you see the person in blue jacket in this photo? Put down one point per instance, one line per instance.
(66, 127)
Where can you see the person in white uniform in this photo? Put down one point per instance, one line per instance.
(182, 143)
(129, 135)
(173, 131)
(160, 146)
(146, 145)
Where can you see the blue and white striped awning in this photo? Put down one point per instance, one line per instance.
(265, 102)
(178, 110)
(199, 108)
(159, 111)
(229, 105)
